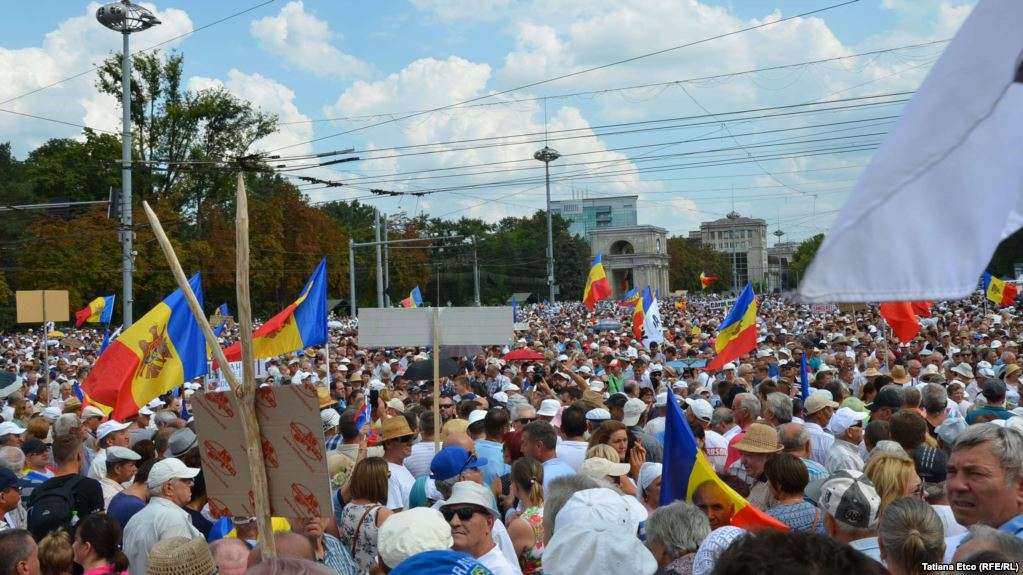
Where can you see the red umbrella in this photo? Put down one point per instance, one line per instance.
(523, 354)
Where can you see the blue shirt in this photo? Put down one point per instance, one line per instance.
(994, 411)
(1013, 526)
(493, 452)
(123, 506)
(553, 469)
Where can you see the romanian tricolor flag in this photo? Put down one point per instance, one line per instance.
(998, 291)
(300, 325)
(687, 469)
(597, 286)
(99, 310)
(737, 335)
(159, 352)
(706, 280)
(638, 317)
(414, 299)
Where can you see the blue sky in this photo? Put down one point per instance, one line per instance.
(321, 59)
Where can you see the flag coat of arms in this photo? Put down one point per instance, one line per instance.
(302, 324)
(159, 352)
(999, 291)
(737, 335)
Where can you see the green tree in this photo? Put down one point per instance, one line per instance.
(804, 255)
(689, 258)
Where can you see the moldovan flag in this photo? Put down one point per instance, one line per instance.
(737, 335)
(159, 352)
(99, 310)
(302, 324)
(631, 297)
(945, 187)
(597, 286)
(706, 280)
(414, 299)
(998, 291)
(686, 468)
(638, 312)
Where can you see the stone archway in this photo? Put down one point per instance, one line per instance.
(622, 247)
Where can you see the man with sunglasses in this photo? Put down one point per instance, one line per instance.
(472, 520)
(447, 407)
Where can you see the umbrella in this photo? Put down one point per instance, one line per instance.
(523, 354)
(422, 370)
(459, 350)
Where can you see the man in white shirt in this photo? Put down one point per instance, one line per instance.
(121, 466)
(472, 519)
(109, 433)
(700, 413)
(397, 438)
(818, 410)
(170, 488)
(571, 446)
(847, 426)
(418, 463)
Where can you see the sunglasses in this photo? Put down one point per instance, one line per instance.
(525, 420)
(463, 513)
(406, 439)
(447, 405)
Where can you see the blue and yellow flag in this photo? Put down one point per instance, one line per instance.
(737, 335)
(302, 324)
(219, 320)
(159, 352)
(998, 291)
(99, 310)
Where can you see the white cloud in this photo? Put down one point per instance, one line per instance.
(305, 41)
(77, 44)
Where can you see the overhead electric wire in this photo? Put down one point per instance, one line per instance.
(572, 74)
(153, 47)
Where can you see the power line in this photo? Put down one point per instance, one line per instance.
(153, 47)
(633, 87)
(571, 74)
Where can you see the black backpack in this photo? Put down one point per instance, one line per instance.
(50, 509)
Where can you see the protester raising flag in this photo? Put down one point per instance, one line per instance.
(706, 280)
(652, 327)
(638, 313)
(219, 320)
(99, 310)
(302, 324)
(902, 319)
(631, 297)
(737, 335)
(414, 299)
(1000, 292)
(159, 352)
(597, 286)
(686, 468)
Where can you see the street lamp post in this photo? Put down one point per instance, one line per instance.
(548, 155)
(125, 17)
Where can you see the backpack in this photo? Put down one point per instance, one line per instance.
(52, 508)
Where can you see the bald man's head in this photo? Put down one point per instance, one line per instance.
(288, 545)
(461, 439)
(231, 555)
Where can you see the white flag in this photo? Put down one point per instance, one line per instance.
(947, 184)
(653, 329)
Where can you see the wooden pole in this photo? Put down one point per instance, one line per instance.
(436, 379)
(246, 397)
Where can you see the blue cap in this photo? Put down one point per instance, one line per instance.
(440, 563)
(453, 460)
(8, 479)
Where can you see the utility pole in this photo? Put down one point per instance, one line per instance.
(475, 273)
(351, 277)
(126, 18)
(380, 264)
(548, 155)
(387, 265)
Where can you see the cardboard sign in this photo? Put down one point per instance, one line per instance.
(37, 306)
(292, 449)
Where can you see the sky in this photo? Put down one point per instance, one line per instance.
(774, 122)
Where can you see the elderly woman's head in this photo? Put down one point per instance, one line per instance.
(675, 530)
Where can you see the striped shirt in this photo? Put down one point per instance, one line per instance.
(820, 442)
(418, 463)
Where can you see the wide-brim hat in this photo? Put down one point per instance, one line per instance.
(181, 556)
(394, 427)
(900, 375)
(323, 395)
(759, 438)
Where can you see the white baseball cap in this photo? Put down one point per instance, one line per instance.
(167, 469)
(633, 410)
(549, 408)
(10, 428)
(501, 397)
(93, 411)
(510, 387)
(701, 408)
(728, 366)
(596, 414)
(599, 468)
(108, 427)
(562, 357)
(143, 411)
(476, 415)
(156, 403)
(845, 418)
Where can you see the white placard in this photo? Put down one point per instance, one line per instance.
(390, 327)
(215, 380)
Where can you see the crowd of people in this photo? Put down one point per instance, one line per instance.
(899, 458)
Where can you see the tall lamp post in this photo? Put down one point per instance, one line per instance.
(548, 155)
(126, 18)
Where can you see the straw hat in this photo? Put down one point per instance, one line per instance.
(181, 556)
(759, 438)
(394, 427)
(323, 394)
(899, 375)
